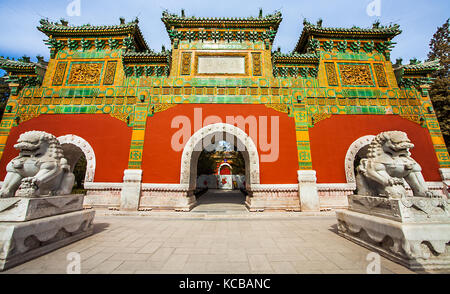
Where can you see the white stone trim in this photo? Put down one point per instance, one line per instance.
(102, 186)
(132, 176)
(165, 187)
(251, 160)
(351, 154)
(352, 186)
(336, 187)
(435, 185)
(306, 176)
(274, 187)
(88, 153)
(445, 175)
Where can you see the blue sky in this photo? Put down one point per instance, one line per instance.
(418, 19)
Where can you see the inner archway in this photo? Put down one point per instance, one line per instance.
(205, 139)
(220, 181)
(357, 150)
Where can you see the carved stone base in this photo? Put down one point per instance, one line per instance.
(16, 209)
(166, 198)
(273, 198)
(406, 210)
(24, 240)
(422, 245)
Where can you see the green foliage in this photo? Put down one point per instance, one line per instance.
(206, 163)
(238, 163)
(80, 171)
(439, 92)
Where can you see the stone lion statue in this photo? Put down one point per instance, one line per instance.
(387, 165)
(39, 170)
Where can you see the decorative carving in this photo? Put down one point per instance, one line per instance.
(162, 106)
(85, 73)
(387, 165)
(58, 77)
(27, 116)
(351, 154)
(317, 117)
(186, 63)
(110, 73)
(381, 75)
(117, 113)
(331, 74)
(40, 168)
(356, 74)
(256, 58)
(412, 117)
(278, 107)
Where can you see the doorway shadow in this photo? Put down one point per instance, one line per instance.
(225, 201)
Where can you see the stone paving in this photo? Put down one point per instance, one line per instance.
(203, 242)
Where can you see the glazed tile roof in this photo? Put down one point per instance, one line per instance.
(123, 29)
(17, 66)
(418, 67)
(428, 65)
(176, 21)
(295, 58)
(376, 32)
(148, 56)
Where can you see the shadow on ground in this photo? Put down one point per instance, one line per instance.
(100, 227)
(221, 201)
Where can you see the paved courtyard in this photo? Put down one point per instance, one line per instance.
(212, 239)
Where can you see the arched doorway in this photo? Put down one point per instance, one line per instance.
(357, 150)
(225, 176)
(81, 158)
(204, 138)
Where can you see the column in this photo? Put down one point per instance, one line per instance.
(132, 178)
(307, 180)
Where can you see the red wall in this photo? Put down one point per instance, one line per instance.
(161, 164)
(109, 137)
(331, 138)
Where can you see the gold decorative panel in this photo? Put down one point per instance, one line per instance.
(58, 77)
(162, 107)
(85, 73)
(381, 75)
(278, 107)
(256, 58)
(186, 63)
(110, 73)
(317, 117)
(331, 74)
(355, 74)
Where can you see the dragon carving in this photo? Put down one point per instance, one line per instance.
(387, 166)
(39, 170)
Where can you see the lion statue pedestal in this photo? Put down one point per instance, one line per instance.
(37, 212)
(413, 230)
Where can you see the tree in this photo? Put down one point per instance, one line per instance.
(238, 163)
(440, 89)
(206, 163)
